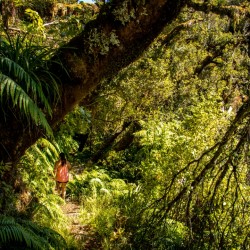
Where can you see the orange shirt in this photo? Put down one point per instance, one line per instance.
(62, 172)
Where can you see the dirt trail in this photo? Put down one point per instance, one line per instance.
(84, 234)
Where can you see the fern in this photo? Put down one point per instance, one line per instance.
(20, 98)
(49, 207)
(26, 82)
(40, 158)
(18, 233)
(14, 69)
(96, 183)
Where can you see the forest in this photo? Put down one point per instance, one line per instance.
(149, 100)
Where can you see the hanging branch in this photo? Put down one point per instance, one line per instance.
(244, 110)
(160, 214)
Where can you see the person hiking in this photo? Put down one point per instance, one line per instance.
(61, 171)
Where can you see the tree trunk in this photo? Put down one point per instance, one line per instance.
(8, 11)
(121, 32)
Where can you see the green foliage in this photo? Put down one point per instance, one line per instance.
(48, 213)
(36, 24)
(101, 210)
(189, 155)
(26, 82)
(115, 211)
(37, 167)
(76, 122)
(168, 160)
(89, 183)
(184, 96)
(7, 196)
(168, 235)
(41, 203)
(23, 234)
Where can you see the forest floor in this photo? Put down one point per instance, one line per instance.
(84, 234)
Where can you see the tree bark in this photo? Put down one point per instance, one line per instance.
(119, 35)
(8, 11)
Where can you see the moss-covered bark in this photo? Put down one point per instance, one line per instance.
(118, 36)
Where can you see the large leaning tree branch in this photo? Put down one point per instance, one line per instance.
(121, 32)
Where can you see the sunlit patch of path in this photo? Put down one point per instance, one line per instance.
(83, 234)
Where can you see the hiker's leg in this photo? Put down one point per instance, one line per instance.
(57, 186)
(63, 190)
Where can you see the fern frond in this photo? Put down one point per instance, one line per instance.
(96, 182)
(105, 191)
(55, 240)
(27, 66)
(42, 159)
(12, 233)
(16, 233)
(50, 207)
(101, 174)
(15, 70)
(21, 99)
(118, 184)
